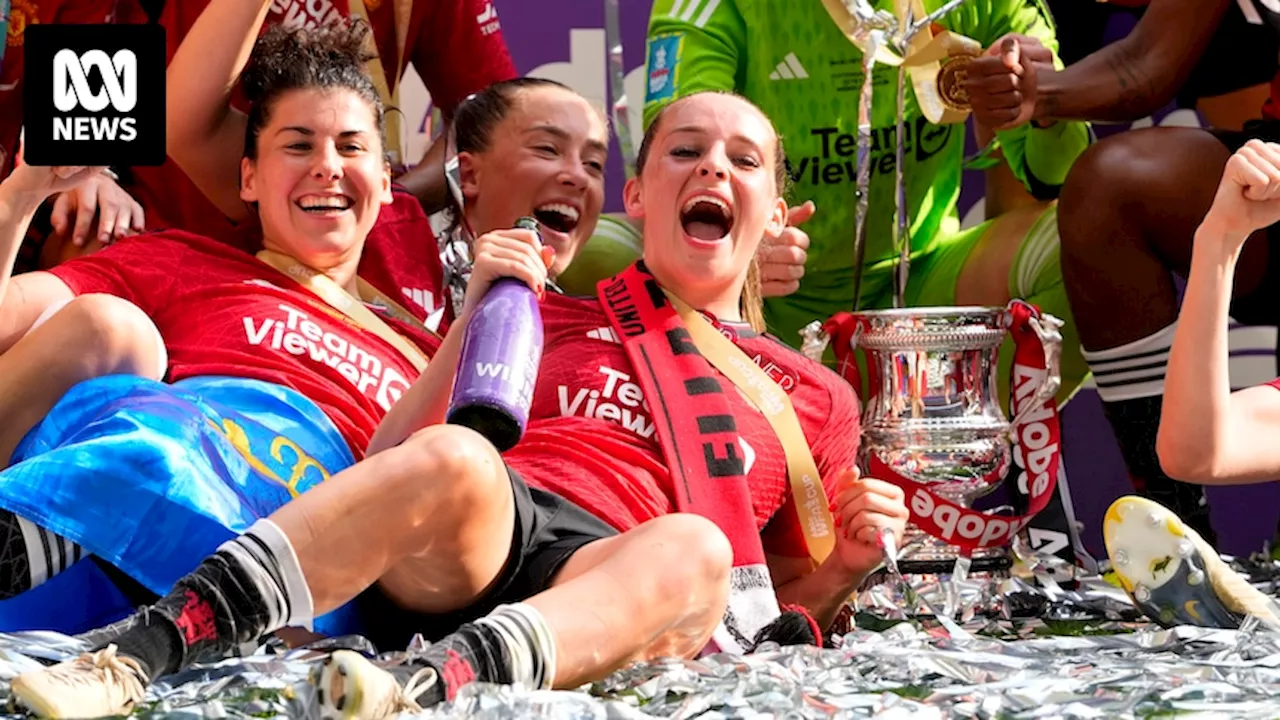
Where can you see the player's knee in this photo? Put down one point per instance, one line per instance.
(693, 555)
(1153, 163)
(452, 466)
(116, 335)
(1101, 175)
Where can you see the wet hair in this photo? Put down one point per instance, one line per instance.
(476, 117)
(752, 304)
(329, 57)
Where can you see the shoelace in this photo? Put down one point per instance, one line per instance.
(418, 683)
(394, 699)
(117, 628)
(122, 676)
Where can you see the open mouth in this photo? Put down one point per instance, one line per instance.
(557, 216)
(706, 218)
(324, 204)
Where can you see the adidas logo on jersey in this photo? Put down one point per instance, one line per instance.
(427, 301)
(697, 12)
(789, 69)
(605, 333)
(488, 20)
(422, 298)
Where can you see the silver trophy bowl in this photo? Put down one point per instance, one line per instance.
(932, 415)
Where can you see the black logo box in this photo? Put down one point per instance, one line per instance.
(41, 115)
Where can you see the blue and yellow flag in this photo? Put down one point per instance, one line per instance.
(152, 478)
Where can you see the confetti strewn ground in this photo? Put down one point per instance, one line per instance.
(1019, 649)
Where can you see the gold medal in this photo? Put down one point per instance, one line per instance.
(951, 79)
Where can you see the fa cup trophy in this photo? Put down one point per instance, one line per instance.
(932, 422)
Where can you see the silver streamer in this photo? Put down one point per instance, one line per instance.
(621, 110)
(814, 341)
(874, 40)
(1027, 649)
(933, 17)
(902, 223)
(872, 30)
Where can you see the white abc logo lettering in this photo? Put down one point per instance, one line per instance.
(71, 80)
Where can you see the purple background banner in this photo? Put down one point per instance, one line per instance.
(565, 40)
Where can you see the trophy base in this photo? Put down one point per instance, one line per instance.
(923, 554)
(995, 565)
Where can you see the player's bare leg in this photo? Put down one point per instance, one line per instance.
(658, 590)
(984, 280)
(89, 337)
(441, 505)
(1017, 256)
(1127, 217)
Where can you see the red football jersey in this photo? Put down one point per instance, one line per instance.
(223, 312)
(401, 258)
(592, 439)
(455, 45)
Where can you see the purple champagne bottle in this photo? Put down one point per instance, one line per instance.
(501, 351)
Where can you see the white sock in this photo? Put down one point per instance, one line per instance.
(265, 547)
(1133, 370)
(530, 643)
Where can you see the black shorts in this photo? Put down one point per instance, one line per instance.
(1240, 55)
(1262, 306)
(548, 530)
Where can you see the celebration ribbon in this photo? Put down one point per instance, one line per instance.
(935, 59)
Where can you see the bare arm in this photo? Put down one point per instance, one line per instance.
(426, 179)
(205, 134)
(1209, 434)
(863, 508)
(1136, 75)
(502, 253)
(822, 592)
(427, 401)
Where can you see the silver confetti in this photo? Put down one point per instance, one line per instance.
(1073, 652)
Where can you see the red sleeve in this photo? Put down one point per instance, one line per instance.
(79, 12)
(140, 269)
(460, 50)
(1275, 383)
(834, 449)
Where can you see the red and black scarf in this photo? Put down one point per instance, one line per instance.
(698, 431)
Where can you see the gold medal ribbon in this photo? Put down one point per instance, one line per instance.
(935, 61)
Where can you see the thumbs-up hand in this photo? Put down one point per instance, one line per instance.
(1002, 84)
(782, 260)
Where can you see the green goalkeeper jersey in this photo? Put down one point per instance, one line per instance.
(791, 59)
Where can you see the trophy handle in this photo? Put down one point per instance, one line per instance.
(1046, 328)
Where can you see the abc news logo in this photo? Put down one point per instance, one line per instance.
(94, 95)
(71, 90)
